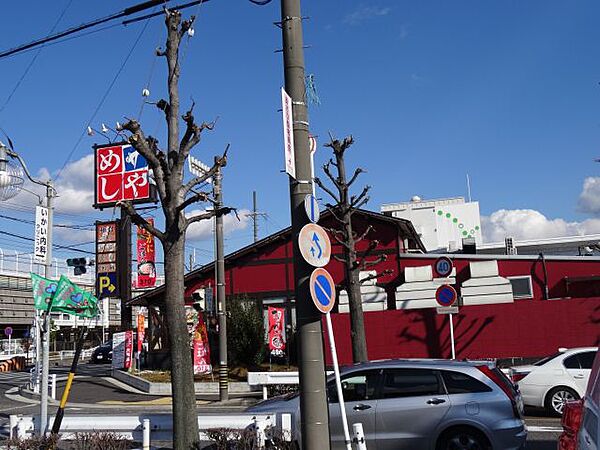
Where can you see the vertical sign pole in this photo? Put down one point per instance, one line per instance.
(452, 336)
(124, 268)
(338, 382)
(220, 280)
(313, 399)
(45, 329)
(9, 345)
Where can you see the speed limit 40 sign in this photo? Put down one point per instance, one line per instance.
(443, 266)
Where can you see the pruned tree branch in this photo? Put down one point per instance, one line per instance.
(137, 219)
(364, 234)
(334, 180)
(338, 258)
(197, 197)
(357, 172)
(366, 264)
(355, 200)
(339, 240)
(209, 214)
(219, 163)
(326, 189)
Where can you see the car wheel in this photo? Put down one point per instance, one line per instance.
(463, 438)
(556, 399)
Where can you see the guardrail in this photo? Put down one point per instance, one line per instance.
(158, 426)
(265, 379)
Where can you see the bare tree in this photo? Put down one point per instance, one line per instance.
(342, 210)
(175, 196)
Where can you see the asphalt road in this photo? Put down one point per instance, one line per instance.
(114, 401)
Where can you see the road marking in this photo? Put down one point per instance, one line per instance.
(541, 429)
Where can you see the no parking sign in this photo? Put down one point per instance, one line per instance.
(322, 290)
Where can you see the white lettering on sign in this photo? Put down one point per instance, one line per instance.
(288, 133)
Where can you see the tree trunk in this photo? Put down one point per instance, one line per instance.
(357, 326)
(185, 425)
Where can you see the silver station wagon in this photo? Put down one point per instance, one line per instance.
(421, 404)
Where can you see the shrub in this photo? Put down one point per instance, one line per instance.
(33, 443)
(245, 333)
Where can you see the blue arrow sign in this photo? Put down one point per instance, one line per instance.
(315, 239)
(311, 206)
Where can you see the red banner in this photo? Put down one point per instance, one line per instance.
(276, 330)
(141, 325)
(146, 276)
(201, 348)
(128, 349)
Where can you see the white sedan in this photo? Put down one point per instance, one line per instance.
(556, 379)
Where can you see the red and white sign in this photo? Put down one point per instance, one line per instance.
(146, 254)
(276, 330)
(288, 133)
(121, 174)
(200, 347)
(122, 350)
(141, 327)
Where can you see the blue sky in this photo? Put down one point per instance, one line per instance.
(504, 91)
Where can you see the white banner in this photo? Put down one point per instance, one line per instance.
(288, 133)
(41, 250)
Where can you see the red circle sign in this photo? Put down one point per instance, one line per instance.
(446, 295)
(322, 290)
(443, 266)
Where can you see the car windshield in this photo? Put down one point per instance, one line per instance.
(543, 361)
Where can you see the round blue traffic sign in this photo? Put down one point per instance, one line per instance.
(446, 295)
(322, 290)
(443, 266)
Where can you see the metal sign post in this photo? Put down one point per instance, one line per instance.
(322, 292)
(446, 297)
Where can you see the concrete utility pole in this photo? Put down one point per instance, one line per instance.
(220, 281)
(46, 318)
(313, 396)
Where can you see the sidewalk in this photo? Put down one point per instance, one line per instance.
(106, 392)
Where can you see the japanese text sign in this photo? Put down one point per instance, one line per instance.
(41, 251)
(121, 174)
(106, 259)
(146, 276)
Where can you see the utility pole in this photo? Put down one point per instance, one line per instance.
(254, 216)
(220, 281)
(45, 335)
(313, 395)
(125, 268)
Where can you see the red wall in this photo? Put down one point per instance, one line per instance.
(526, 328)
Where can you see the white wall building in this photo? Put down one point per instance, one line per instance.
(442, 224)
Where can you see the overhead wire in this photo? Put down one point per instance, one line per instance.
(104, 97)
(28, 68)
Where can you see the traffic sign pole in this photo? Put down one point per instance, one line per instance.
(452, 336)
(338, 381)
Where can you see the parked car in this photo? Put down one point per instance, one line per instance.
(102, 353)
(420, 404)
(589, 433)
(556, 379)
(585, 411)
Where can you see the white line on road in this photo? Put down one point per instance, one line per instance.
(540, 429)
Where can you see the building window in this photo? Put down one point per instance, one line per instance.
(521, 286)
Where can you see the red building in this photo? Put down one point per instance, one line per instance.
(510, 306)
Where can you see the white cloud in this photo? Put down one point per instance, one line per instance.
(364, 13)
(202, 230)
(589, 199)
(531, 224)
(75, 187)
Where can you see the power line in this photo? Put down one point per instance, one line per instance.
(58, 225)
(104, 97)
(12, 93)
(126, 12)
(64, 247)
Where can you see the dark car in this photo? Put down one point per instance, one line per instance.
(102, 353)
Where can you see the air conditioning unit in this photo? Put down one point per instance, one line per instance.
(509, 246)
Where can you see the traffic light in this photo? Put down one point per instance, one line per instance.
(78, 265)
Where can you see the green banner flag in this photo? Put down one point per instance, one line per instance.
(43, 291)
(71, 299)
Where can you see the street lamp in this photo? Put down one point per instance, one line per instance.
(11, 183)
